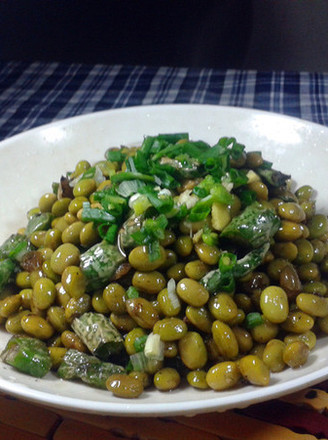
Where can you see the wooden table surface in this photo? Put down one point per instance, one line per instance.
(299, 416)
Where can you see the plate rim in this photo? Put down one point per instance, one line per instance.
(151, 107)
(168, 408)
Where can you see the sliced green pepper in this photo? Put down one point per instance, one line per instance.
(28, 355)
(91, 370)
(99, 263)
(99, 334)
(253, 227)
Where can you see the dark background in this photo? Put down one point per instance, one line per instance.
(204, 33)
(251, 34)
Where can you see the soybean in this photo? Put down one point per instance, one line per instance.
(273, 355)
(44, 293)
(169, 306)
(192, 292)
(289, 231)
(37, 326)
(192, 350)
(291, 211)
(10, 305)
(309, 338)
(167, 379)
(123, 322)
(196, 269)
(208, 254)
(295, 354)
(73, 281)
(170, 329)
(200, 318)
(183, 245)
(314, 305)
(223, 375)
(254, 370)
(225, 340)
(298, 322)
(115, 297)
(149, 282)
(65, 255)
(197, 379)
(177, 272)
(223, 307)
(123, 385)
(139, 259)
(274, 304)
(244, 339)
(142, 311)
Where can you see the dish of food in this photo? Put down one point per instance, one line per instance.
(182, 258)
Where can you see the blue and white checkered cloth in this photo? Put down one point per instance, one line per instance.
(32, 94)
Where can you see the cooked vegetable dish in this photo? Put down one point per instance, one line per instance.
(171, 263)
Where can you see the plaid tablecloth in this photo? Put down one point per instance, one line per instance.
(38, 93)
(33, 94)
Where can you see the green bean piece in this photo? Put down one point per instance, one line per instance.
(28, 355)
(91, 370)
(99, 264)
(99, 334)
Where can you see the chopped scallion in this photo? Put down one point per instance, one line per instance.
(139, 343)
(132, 292)
(253, 319)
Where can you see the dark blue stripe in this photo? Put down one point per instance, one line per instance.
(159, 98)
(187, 87)
(137, 87)
(321, 98)
(313, 98)
(262, 91)
(142, 86)
(215, 87)
(9, 74)
(291, 95)
(114, 88)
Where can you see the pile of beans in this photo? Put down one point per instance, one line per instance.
(206, 341)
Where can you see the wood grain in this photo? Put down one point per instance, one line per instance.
(299, 416)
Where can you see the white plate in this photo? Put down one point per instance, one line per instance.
(31, 161)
